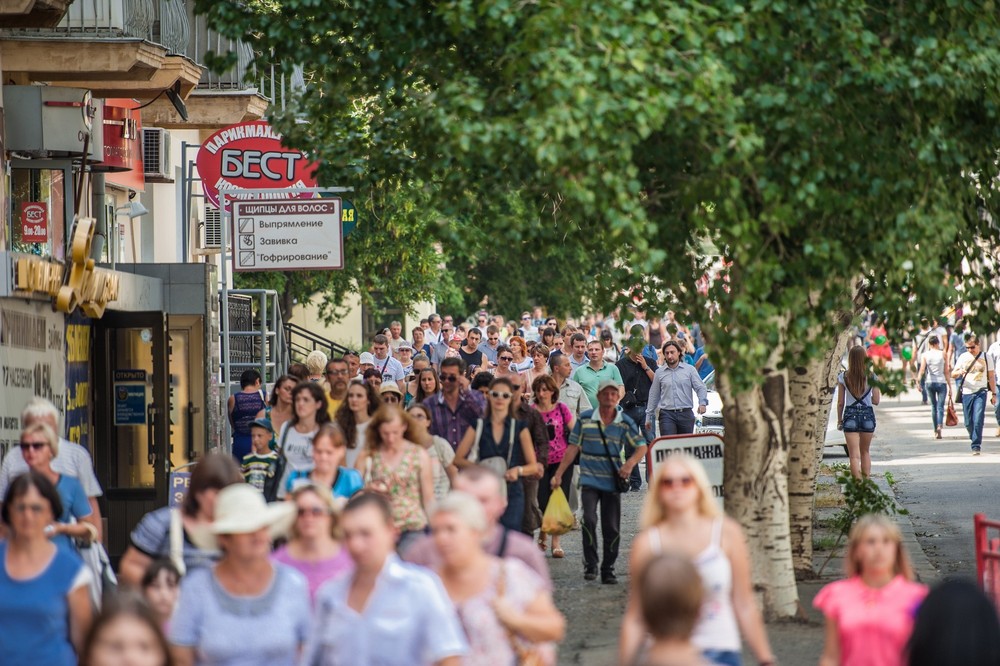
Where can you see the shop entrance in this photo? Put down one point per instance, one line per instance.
(131, 418)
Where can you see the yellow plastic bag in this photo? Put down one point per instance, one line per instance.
(558, 519)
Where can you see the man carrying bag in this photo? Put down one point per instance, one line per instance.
(603, 437)
(978, 376)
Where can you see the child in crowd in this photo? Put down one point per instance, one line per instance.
(161, 589)
(260, 463)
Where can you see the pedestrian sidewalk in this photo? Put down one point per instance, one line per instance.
(593, 611)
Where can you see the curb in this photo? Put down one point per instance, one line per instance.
(922, 567)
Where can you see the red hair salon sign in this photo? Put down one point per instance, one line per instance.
(249, 156)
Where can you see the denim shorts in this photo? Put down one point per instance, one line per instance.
(723, 657)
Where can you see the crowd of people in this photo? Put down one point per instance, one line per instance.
(386, 508)
(940, 355)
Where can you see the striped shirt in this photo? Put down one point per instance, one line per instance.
(622, 437)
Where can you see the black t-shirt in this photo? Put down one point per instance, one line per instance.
(636, 380)
(473, 358)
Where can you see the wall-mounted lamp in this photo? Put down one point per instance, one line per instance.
(173, 93)
(132, 209)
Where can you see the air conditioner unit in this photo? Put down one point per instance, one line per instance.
(209, 233)
(156, 154)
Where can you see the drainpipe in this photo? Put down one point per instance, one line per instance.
(101, 216)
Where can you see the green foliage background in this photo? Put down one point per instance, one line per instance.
(820, 146)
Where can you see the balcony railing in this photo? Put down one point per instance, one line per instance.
(170, 23)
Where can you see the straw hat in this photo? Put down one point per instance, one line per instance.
(242, 509)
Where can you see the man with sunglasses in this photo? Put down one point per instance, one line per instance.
(455, 409)
(528, 331)
(439, 350)
(978, 376)
(603, 438)
(491, 345)
(434, 335)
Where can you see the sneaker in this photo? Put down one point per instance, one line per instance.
(590, 574)
(975, 452)
(609, 579)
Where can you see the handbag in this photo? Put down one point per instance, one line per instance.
(858, 416)
(525, 656)
(103, 582)
(621, 485)
(497, 463)
(950, 415)
(273, 482)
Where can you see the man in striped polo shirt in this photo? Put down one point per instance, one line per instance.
(604, 438)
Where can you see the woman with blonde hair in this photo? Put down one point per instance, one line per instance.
(857, 417)
(399, 469)
(316, 365)
(869, 615)
(682, 516)
(503, 605)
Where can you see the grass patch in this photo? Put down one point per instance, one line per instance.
(826, 501)
(825, 543)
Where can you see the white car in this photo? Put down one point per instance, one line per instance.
(711, 421)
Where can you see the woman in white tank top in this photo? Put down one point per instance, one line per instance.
(681, 515)
(935, 368)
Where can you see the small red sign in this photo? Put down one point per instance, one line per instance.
(249, 156)
(34, 222)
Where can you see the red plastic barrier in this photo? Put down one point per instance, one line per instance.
(988, 557)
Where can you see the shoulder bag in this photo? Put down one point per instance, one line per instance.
(529, 656)
(273, 482)
(498, 464)
(621, 485)
(859, 417)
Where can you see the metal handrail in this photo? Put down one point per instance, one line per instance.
(318, 341)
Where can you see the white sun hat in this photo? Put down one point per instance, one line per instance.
(242, 509)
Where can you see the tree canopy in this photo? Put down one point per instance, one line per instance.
(832, 152)
(813, 143)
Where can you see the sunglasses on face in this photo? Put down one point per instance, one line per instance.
(506, 358)
(680, 482)
(449, 378)
(337, 372)
(37, 446)
(390, 398)
(500, 395)
(314, 511)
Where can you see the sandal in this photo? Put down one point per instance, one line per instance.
(558, 553)
(541, 542)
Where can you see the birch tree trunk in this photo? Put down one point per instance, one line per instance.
(813, 387)
(756, 485)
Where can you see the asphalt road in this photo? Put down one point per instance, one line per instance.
(939, 481)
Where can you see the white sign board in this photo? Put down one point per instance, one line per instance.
(32, 362)
(708, 449)
(287, 235)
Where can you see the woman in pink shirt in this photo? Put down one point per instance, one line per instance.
(869, 615)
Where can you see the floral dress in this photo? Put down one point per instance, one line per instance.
(403, 486)
(489, 642)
